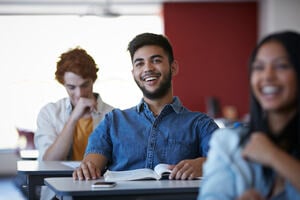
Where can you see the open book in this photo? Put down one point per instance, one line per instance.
(160, 171)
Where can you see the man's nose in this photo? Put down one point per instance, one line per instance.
(149, 66)
(79, 92)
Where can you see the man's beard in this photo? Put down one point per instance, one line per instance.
(161, 91)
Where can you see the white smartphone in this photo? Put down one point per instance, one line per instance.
(103, 184)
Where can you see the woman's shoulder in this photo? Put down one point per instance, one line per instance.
(228, 138)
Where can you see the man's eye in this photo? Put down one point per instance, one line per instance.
(71, 87)
(85, 85)
(156, 61)
(139, 64)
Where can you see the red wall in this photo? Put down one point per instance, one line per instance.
(212, 43)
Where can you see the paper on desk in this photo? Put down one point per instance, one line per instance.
(72, 164)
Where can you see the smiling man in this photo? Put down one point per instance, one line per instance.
(158, 130)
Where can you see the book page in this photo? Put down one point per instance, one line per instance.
(162, 170)
(135, 174)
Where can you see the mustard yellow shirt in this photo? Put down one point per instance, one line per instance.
(83, 130)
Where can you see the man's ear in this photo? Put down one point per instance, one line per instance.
(174, 67)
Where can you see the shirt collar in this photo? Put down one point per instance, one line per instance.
(176, 105)
(68, 105)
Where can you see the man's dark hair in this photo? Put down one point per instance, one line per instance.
(151, 39)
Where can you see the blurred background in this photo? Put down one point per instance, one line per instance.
(212, 41)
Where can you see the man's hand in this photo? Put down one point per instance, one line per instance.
(84, 108)
(86, 171)
(187, 169)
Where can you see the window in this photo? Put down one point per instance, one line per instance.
(30, 47)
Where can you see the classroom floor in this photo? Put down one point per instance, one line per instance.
(8, 190)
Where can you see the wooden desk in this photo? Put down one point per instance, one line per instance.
(67, 188)
(36, 171)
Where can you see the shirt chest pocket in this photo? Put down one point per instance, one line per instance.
(177, 150)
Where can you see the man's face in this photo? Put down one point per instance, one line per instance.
(152, 71)
(77, 87)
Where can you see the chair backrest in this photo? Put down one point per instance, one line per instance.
(26, 139)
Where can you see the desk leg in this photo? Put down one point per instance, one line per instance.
(31, 184)
(36, 181)
(30, 188)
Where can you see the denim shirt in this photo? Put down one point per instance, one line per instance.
(135, 138)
